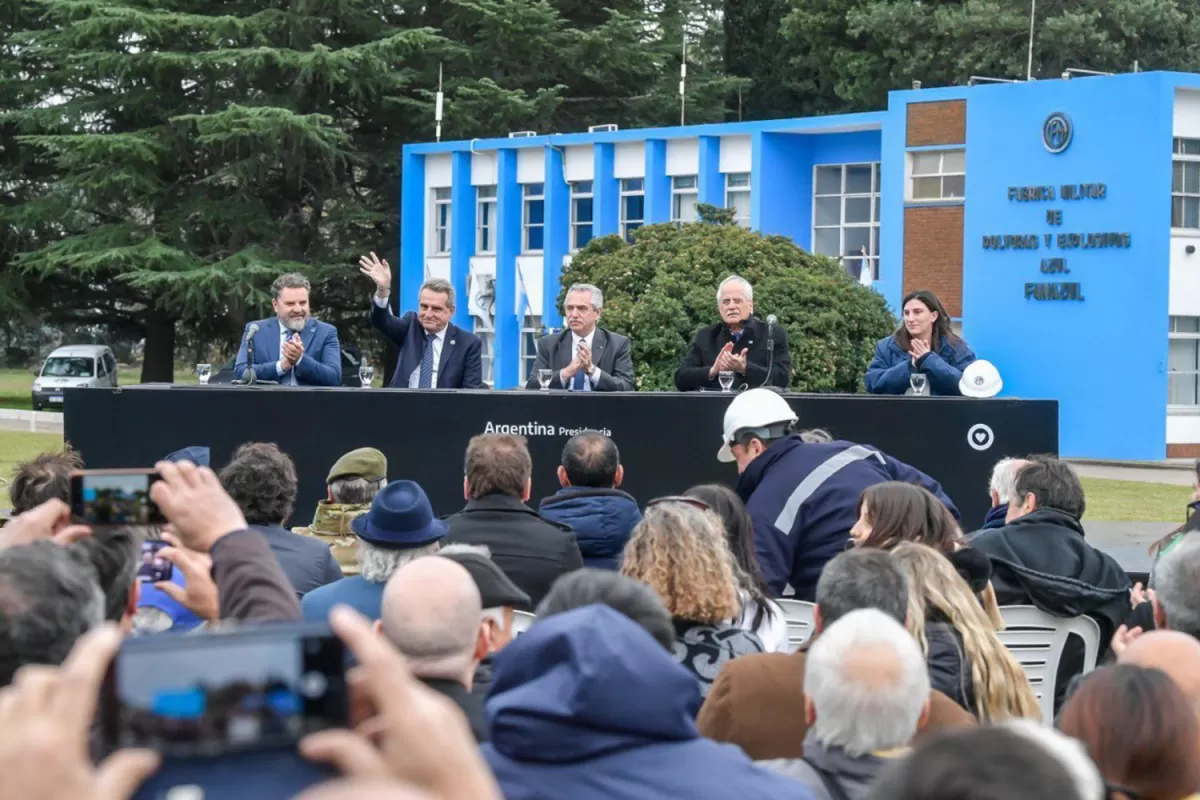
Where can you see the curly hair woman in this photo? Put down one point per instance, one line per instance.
(966, 659)
(679, 551)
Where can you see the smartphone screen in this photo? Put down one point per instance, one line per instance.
(152, 568)
(210, 694)
(114, 497)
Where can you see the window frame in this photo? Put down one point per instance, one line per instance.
(1183, 196)
(482, 202)
(625, 194)
(678, 193)
(738, 189)
(531, 331)
(442, 199)
(527, 200)
(1188, 336)
(941, 174)
(576, 223)
(874, 198)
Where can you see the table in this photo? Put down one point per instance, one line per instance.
(668, 441)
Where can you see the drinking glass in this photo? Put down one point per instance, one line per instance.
(919, 383)
(544, 377)
(204, 372)
(365, 374)
(725, 377)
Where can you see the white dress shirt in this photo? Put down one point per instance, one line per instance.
(594, 375)
(284, 336)
(439, 339)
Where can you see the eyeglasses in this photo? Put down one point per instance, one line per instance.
(679, 498)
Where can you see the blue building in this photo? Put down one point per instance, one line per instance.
(1058, 220)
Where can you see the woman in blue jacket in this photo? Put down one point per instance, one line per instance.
(923, 343)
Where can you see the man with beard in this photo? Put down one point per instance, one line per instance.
(291, 348)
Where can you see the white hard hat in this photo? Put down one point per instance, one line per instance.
(754, 409)
(980, 379)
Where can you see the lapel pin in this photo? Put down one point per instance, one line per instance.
(451, 341)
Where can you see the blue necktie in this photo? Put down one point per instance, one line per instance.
(426, 378)
(579, 382)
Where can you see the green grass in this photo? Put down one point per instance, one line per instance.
(16, 447)
(17, 384)
(1130, 501)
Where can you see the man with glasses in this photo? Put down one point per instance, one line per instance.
(753, 353)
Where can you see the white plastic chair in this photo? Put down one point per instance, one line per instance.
(799, 615)
(521, 622)
(1037, 639)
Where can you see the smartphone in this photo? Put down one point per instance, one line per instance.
(211, 694)
(153, 569)
(114, 497)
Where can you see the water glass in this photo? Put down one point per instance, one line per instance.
(366, 374)
(919, 382)
(204, 372)
(544, 377)
(725, 378)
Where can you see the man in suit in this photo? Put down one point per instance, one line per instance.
(737, 344)
(584, 358)
(292, 348)
(434, 352)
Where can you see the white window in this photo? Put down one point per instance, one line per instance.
(846, 215)
(485, 219)
(487, 340)
(1185, 184)
(529, 336)
(684, 197)
(582, 214)
(937, 175)
(633, 206)
(737, 196)
(535, 217)
(1183, 362)
(441, 220)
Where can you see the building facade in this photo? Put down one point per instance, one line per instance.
(1058, 221)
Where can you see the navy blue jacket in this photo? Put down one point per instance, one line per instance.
(586, 705)
(803, 499)
(995, 517)
(601, 518)
(460, 366)
(306, 561)
(321, 364)
(890, 368)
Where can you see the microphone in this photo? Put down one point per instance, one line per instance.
(249, 376)
(253, 329)
(771, 320)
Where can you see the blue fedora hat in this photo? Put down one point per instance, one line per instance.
(400, 518)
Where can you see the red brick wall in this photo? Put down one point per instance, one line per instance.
(1183, 451)
(933, 253)
(944, 122)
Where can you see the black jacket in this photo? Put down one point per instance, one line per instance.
(949, 666)
(611, 352)
(708, 342)
(531, 550)
(470, 703)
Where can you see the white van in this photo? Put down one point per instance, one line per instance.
(70, 367)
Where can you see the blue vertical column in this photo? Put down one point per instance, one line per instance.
(462, 233)
(606, 192)
(507, 342)
(557, 235)
(658, 184)
(782, 205)
(710, 181)
(412, 226)
(757, 156)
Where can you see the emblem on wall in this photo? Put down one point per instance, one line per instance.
(1057, 132)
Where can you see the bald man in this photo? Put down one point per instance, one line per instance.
(1175, 653)
(431, 613)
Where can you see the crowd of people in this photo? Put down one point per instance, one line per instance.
(658, 663)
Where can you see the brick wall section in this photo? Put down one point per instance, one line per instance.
(933, 253)
(1183, 451)
(944, 122)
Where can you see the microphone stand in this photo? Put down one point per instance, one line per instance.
(770, 352)
(250, 377)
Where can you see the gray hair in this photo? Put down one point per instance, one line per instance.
(48, 599)
(462, 547)
(1004, 478)
(868, 681)
(289, 280)
(862, 578)
(355, 490)
(1176, 577)
(597, 295)
(441, 286)
(378, 564)
(1068, 752)
(740, 281)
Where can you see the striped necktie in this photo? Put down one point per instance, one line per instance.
(426, 378)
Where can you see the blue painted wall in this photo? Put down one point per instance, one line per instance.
(507, 345)
(710, 180)
(606, 193)
(658, 185)
(557, 237)
(412, 226)
(462, 235)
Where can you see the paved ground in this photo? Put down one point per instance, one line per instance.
(48, 426)
(1182, 475)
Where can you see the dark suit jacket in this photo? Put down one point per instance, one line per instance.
(307, 562)
(459, 367)
(321, 364)
(610, 352)
(531, 550)
(707, 343)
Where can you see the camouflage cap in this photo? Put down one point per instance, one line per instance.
(365, 462)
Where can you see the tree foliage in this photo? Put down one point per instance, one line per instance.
(661, 289)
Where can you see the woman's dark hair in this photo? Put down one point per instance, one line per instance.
(1140, 730)
(941, 326)
(905, 512)
(739, 532)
